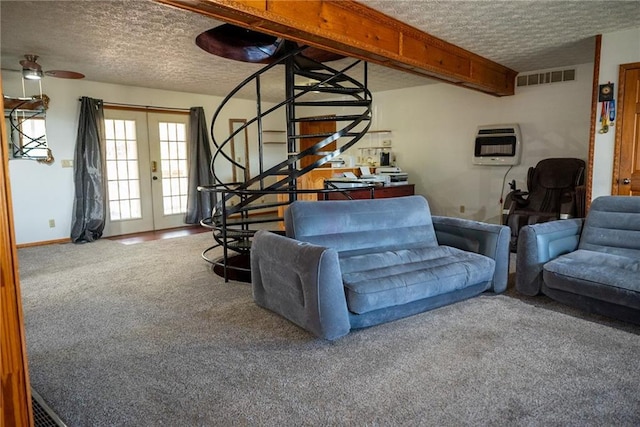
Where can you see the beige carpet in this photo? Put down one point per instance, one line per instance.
(147, 335)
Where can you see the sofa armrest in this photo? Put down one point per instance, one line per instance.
(491, 240)
(301, 282)
(540, 243)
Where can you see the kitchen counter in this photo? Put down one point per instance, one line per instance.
(379, 192)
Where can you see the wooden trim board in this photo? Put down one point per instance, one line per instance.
(350, 28)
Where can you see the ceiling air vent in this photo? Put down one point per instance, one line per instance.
(544, 77)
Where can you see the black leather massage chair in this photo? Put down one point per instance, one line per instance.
(555, 190)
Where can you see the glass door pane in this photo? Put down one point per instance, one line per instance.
(168, 143)
(173, 158)
(123, 183)
(126, 157)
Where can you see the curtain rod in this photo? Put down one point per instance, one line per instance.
(146, 107)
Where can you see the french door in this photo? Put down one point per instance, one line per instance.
(146, 170)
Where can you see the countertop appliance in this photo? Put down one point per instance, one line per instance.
(357, 182)
(395, 175)
(385, 175)
(342, 161)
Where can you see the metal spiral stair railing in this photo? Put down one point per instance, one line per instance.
(233, 226)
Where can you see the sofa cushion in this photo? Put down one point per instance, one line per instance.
(362, 226)
(613, 226)
(384, 279)
(603, 276)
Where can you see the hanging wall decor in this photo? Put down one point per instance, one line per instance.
(608, 107)
(25, 118)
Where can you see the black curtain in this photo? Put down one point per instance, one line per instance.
(89, 202)
(199, 204)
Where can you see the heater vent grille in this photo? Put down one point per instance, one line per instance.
(544, 77)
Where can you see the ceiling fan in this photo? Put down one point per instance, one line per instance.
(31, 70)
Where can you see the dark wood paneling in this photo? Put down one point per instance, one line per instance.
(378, 193)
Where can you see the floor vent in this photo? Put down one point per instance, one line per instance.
(43, 415)
(544, 77)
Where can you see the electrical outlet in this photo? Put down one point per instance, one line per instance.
(461, 208)
(52, 223)
(66, 163)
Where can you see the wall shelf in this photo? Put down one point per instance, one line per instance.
(377, 141)
(284, 131)
(378, 132)
(272, 131)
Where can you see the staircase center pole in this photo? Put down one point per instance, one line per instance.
(260, 140)
(291, 124)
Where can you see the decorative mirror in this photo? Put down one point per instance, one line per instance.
(239, 149)
(26, 126)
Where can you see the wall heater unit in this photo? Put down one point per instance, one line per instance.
(497, 145)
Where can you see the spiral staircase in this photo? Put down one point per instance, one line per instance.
(234, 219)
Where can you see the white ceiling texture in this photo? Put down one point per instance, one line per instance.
(146, 44)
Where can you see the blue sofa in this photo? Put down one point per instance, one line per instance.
(592, 264)
(351, 264)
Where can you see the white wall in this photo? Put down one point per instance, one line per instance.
(43, 192)
(617, 48)
(434, 128)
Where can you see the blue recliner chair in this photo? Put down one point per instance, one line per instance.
(592, 264)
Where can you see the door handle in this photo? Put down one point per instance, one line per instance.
(154, 166)
(626, 181)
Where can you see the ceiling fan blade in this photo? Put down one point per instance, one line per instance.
(63, 74)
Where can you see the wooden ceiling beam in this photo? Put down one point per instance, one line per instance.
(353, 29)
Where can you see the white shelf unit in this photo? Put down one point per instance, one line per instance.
(272, 136)
(365, 153)
(369, 148)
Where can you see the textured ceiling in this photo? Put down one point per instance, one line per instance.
(523, 35)
(142, 43)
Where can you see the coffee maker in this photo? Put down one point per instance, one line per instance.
(385, 158)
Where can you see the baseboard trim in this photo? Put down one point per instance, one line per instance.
(68, 240)
(43, 243)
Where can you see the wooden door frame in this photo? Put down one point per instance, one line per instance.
(594, 119)
(615, 186)
(15, 389)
